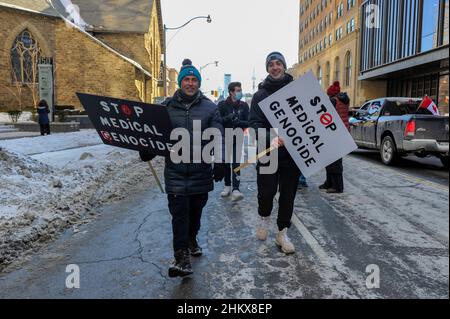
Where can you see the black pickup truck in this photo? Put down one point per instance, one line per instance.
(392, 126)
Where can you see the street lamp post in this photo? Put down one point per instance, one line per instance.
(208, 19)
(206, 65)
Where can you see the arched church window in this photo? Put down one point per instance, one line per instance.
(25, 54)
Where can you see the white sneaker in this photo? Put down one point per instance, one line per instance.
(236, 195)
(282, 240)
(226, 191)
(262, 231)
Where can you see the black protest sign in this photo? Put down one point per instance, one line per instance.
(127, 124)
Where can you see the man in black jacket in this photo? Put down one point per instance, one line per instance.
(188, 184)
(234, 114)
(285, 179)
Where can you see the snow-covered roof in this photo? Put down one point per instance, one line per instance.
(50, 8)
(102, 15)
(33, 6)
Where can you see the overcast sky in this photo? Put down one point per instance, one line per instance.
(240, 36)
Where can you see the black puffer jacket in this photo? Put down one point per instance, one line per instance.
(193, 178)
(257, 117)
(228, 109)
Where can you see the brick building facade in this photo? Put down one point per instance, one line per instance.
(116, 53)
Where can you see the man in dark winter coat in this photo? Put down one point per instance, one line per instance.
(188, 184)
(234, 114)
(335, 181)
(286, 178)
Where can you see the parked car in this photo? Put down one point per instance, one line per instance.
(392, 126)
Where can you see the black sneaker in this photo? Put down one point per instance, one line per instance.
(324, 186)
(194, 248)
(334, 191)
(182, 265)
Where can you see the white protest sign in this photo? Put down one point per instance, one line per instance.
(310, 126)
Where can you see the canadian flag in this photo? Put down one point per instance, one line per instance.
(428, 104)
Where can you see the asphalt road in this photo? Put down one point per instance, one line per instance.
(391, 221)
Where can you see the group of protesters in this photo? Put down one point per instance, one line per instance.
(187, 184)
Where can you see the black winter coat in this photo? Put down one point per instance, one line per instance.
(191, 178)
(43, 115)
(257, 117)
(240, 110)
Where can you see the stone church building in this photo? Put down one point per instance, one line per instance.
(103, 47)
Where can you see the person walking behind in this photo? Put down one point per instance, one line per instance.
(334, 183)
(235, 115)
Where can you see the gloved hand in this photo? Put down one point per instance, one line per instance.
(145, 156)
(235, 121)
(229, 117)
(219, 172)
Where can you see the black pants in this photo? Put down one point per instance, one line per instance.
(229, 168)
(286, 180)
(334, 176)
(45, 129)
(229, 172)
(186, 214)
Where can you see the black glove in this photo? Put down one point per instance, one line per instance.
(229, 117)
(146, 157)
(236, 122)
(219, 172)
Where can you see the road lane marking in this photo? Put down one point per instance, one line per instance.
(311, 241)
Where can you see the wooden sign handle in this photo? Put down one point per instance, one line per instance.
(155, 175)
(248, 163)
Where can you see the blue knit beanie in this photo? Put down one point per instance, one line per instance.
(188, 70)
(275, 56)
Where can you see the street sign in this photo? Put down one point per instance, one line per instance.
(46, 85)
(310, 126)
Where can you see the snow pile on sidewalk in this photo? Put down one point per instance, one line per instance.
(44, 194)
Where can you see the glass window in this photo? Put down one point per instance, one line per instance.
(25, 54)
(348, 69)
(445, 35)
(365, 107)
(319, 75)
(443, 94)
(374, 109)
(327, 74)
(337, 69)
(429, 25)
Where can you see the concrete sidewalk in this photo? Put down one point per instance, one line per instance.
(17, 134)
